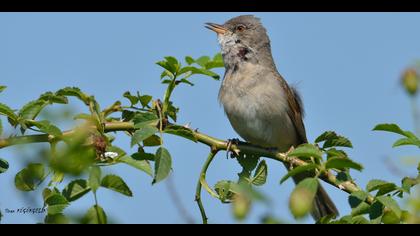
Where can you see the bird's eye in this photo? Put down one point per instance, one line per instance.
(240, 28)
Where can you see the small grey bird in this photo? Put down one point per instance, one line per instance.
(262, 108)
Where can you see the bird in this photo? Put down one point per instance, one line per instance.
(260, 105)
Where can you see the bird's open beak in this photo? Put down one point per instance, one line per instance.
(216, 28)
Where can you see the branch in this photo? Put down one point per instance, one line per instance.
(215, 145)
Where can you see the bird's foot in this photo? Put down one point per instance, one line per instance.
(234, 152)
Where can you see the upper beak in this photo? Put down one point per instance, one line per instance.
(216, 28)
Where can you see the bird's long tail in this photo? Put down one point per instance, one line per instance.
(323, 205)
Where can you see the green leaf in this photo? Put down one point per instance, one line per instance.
(140, 155)
(390, 217)
(407, 183)
(375, 212)
(270, 219)
(358, 204)
(30, 177)
(326, 220)
(7, 111)
(2, 88)
(189, 60)
(359, 196)
(406, 141)
(248, 162)
(143, 134)
(1, 127)
(166, 73)
(56, 219)
(172, 111)
(133, 99)
(45, 126)
(53, 98)
(333, 140)
(340, 163)
(116, 184)
(361, 209)
(383, 186)
(260, 175)
(180, 131)
(185, 81)
(76, 189)
(194, 70)
(74, 92)
(152, 141)
(95, 215)
(57, 177)
(218, 57)
(332, 152)
(202, 61)
(359, 220)
(143, 119)
(4, 165)
(56, 204)
(302, 197)
(391, 204)
(375, 184)
(298, 170)
(142, 165)
(46, 193)
(214, 64)
(163, 165)
(343, 176)
(94, 178)
(127, 115)
(145, 100)
(393, 128)
(32, 109)
(170, 64)
(306, 151)
(173, 62)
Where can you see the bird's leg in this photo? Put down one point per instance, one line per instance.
(287, 155)
(290, 150)
(229, 149)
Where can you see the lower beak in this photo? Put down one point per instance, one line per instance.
(216, 28)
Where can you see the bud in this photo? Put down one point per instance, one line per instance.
(410, 80)
(241, 206)
(300, 202)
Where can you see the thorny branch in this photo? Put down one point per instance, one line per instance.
(215, 144)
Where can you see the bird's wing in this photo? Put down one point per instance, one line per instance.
(296, 110)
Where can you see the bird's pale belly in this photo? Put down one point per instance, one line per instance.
(261, 122)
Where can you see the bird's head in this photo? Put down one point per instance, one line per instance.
(242, 36)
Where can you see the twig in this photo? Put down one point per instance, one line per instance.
(203, 172)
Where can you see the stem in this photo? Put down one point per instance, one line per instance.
(202, 178)
(160, 122)
(168, 94)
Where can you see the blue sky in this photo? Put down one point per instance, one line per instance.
(346, 65)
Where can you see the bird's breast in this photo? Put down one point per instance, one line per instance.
(257, 108)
